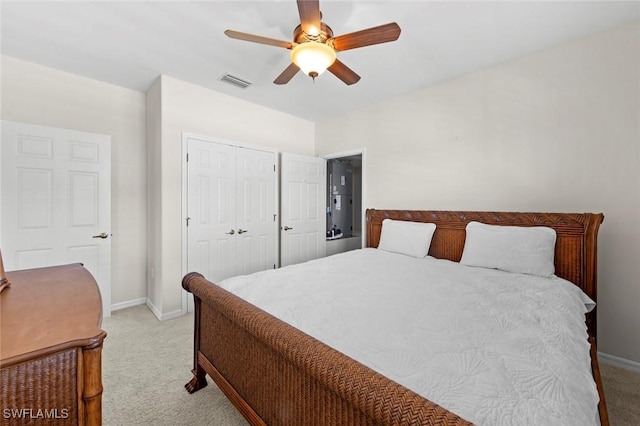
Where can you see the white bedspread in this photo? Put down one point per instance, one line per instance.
(495, 348)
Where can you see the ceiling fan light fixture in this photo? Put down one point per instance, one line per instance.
(313, 48)
(313, 57)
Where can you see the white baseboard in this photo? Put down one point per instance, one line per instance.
(153, 308)
(128, 304)
(163, 317)
(619, 362)
(172, 315)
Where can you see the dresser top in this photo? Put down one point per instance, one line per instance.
(46, 310)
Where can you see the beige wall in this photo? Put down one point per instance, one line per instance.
(39, 95)
(558, 130)
(185, 107)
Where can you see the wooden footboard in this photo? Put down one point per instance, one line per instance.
(277, 375)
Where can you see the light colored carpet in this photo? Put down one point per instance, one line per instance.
(622, 395)
(146, 363)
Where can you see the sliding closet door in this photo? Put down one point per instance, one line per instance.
(231, 208)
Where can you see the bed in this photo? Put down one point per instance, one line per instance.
(276, 374)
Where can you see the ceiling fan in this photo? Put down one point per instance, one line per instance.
(313, 49)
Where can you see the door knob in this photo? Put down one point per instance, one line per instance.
(103, 235)
(242, 231)
(286, 228)
(231, 232)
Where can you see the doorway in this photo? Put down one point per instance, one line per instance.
(344, 202)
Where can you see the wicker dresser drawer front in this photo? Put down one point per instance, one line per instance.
(41, 391)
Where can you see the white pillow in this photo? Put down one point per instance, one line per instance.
(525, 250)
(410, 238)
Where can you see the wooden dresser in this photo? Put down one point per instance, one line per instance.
(51, 347)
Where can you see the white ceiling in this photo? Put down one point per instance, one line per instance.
(130, 43)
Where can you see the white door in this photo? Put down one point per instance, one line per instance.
(231, 209)
(302, 206)
(56, 200)
(256, 217)
(211, 208)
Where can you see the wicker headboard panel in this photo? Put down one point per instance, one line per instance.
(576, 242)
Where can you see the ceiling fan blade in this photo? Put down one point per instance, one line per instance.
(375, 35)
(287, 74)
(258, 39)
(309, 11)
(344, 73)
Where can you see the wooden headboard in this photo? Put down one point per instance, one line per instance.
(576, 239)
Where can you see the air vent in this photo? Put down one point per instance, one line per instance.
(235, 81)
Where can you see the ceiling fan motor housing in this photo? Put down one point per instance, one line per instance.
(300, 36)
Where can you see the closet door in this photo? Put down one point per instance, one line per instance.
(255, 217)
(211, 207)
(231, 208)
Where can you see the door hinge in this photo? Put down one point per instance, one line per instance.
(188, 219)
(274, 167)
(274, 217)
(274, 266)
(187, 157)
